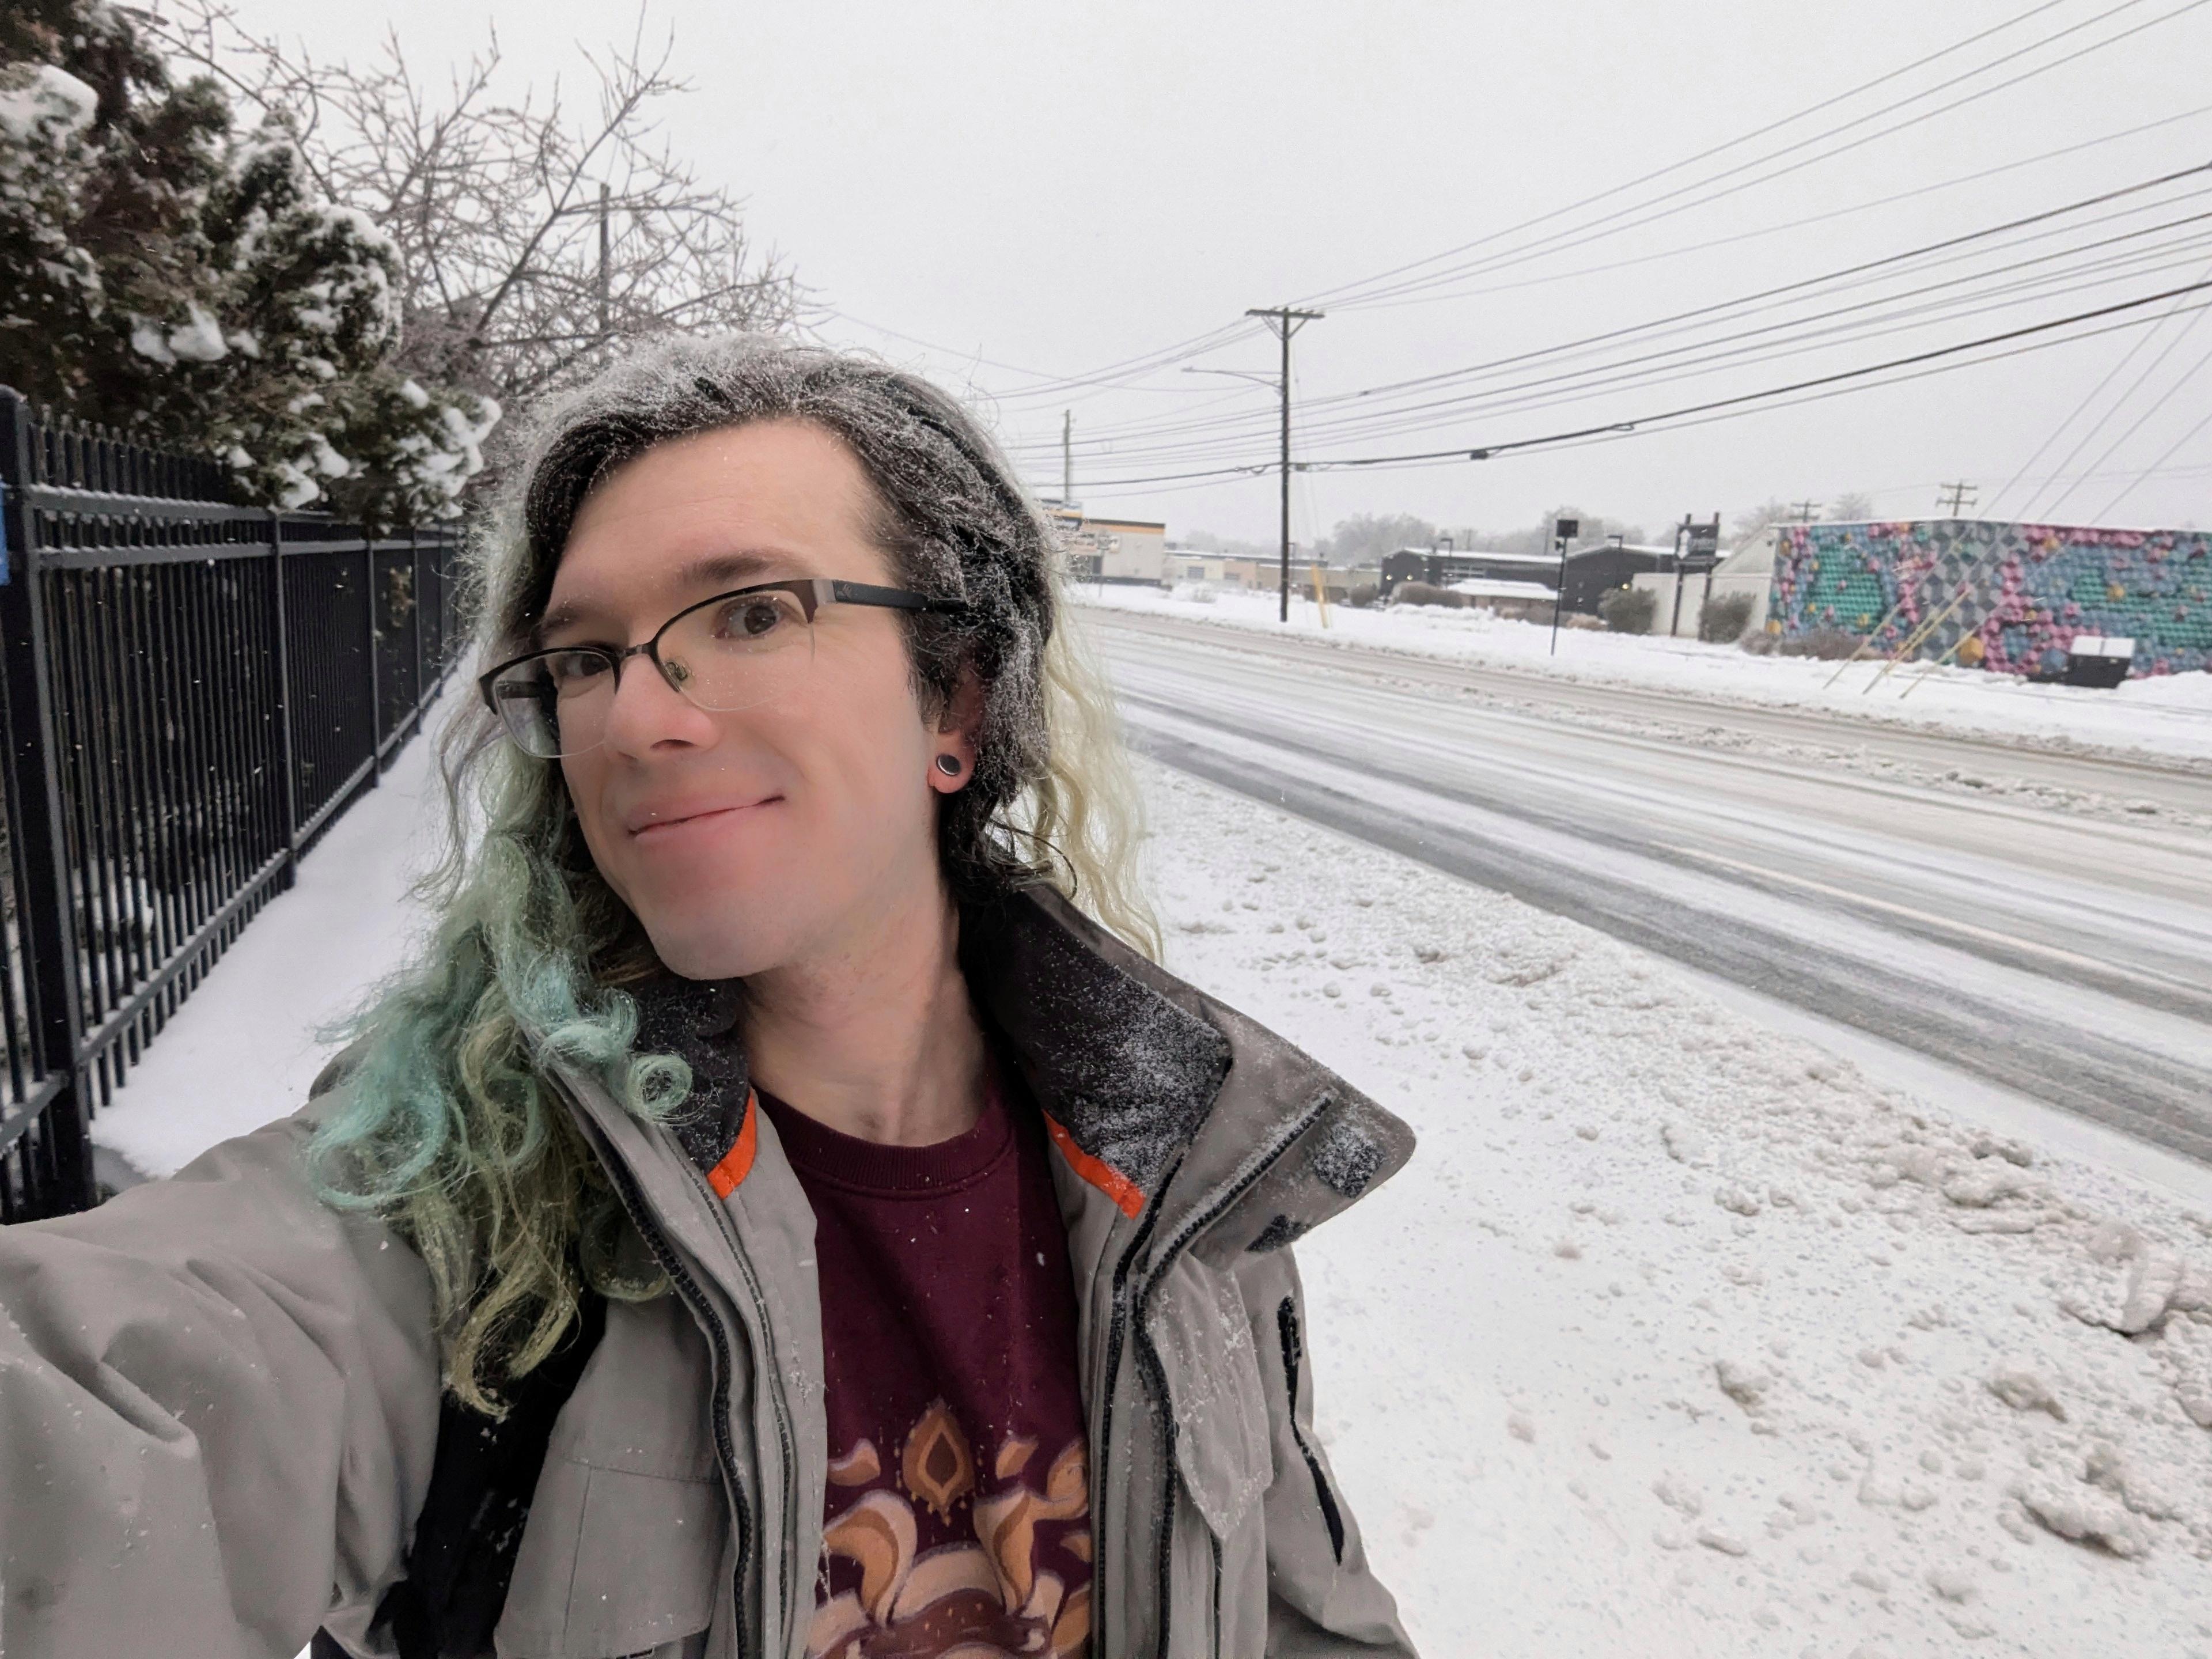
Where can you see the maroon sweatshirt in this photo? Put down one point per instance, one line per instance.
(956, 1515)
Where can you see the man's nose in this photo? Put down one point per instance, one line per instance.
(646, 711)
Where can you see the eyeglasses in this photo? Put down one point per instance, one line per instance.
(737, 650)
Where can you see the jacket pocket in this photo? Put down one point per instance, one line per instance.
(613, 1562)
(1203, 1336)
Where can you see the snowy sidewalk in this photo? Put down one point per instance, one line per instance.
(2169, 718)
(242, 1050)
(1676, 1338)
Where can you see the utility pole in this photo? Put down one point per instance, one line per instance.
(1283, 322)
(605, 264)
(1807, 510)
(1961, 496)
(1067, 459)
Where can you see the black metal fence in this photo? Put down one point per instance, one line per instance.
(190, 692)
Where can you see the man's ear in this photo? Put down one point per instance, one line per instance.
(957, 729)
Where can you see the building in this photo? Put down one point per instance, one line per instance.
(1593, 570)
(2010, 597)
(1441, 568)
(1195, 564)
(1516, 601)
(1681, 593)
(1111, 550)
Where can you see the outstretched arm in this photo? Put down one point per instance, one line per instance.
(218, 1410)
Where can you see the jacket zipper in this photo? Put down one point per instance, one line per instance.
(1293, 1346)
(726, 1453)
(1148, 1358)
(786, 1436)
(1117, 1330)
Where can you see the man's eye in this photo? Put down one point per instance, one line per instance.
(751, 618)
(571, 668)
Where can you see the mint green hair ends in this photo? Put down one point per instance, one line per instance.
(445, 1122)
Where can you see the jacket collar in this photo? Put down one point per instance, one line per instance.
(1156, 1094)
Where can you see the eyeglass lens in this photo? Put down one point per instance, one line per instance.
(743, 652)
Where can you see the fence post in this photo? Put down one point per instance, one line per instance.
(415, 619)
(375, 693)
(288, 781)
(48, 931)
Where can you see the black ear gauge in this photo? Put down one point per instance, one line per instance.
(949, 764)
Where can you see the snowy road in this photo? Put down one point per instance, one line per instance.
(2063, 956)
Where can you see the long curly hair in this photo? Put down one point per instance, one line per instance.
(447, 1124)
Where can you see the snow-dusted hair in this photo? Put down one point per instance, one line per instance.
(447, 1125)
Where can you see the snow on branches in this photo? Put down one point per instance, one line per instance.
(189, 283)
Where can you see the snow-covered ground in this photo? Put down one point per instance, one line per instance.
(1676, 1338)
(2169, 716)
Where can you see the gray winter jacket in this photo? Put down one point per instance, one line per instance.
(219, 1400)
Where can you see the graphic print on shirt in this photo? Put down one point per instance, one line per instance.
(979, 1599)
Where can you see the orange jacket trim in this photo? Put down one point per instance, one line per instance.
(736, 1163)
(1125, 1192)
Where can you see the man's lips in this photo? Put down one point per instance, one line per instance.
(648, 824)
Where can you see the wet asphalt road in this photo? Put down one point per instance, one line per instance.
(2064, 957)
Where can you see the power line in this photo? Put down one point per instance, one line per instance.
(2155, 466)
(2162, 399)
(1708, 244)
(1117, 438)
(2075, 413)
(1668, 417)
(1344, 292)
(1676, 364)
(1111, 431)
(1627, 430)
(1554, 244)
(1858, 274)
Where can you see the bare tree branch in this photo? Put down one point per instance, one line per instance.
(494, 204)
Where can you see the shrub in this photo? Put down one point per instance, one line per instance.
(1722, 620)
(1629, 610)
(1363, 596)
(1423, 593)
(1827, 644)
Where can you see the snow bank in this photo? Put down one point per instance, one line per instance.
(2169, 716)
(1678, 1336)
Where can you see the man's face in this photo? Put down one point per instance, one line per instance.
(752, 839)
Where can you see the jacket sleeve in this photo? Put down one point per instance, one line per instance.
(218, 1410)
(1323, 1597)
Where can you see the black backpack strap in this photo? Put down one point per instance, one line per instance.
(481, 1480)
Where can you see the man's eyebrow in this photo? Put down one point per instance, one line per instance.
(731, 568)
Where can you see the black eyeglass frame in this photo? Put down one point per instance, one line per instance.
(813, 592)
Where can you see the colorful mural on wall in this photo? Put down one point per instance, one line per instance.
(2031, 588)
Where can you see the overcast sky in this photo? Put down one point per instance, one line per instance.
(1040, 192)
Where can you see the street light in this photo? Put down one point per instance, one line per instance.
(1282, 385)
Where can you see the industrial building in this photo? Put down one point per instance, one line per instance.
(1111, 550)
